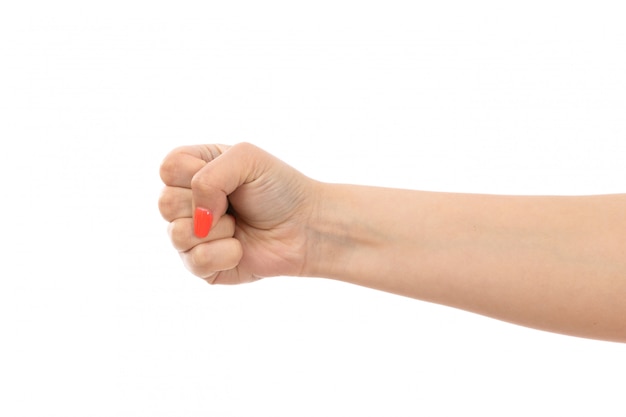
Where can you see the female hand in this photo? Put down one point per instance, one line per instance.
(259, 205)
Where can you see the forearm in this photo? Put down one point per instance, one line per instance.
(555, 263)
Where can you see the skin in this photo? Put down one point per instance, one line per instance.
(547, 262)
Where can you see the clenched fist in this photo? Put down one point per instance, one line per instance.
(256, 206)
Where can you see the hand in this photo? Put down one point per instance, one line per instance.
(261, 208)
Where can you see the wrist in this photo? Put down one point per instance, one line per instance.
(328, 233)
(370, 236)
(345, 234)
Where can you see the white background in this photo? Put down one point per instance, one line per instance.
(98, 317)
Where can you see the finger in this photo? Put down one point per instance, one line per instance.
(211, 185)
(175, 203)
(183, 238)
(229, 277)
(180, 165)
(205, 259)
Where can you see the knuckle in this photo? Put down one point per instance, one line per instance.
(170, 167)
(197, 261)
(246, 149)
(167, 204)
(245, 146)
(179, 236)
(212, 278)
(200, 184)
(189, 262)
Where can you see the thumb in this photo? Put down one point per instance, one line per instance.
(215, 181)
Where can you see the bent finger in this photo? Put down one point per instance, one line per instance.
(175, 203)
(181, 164)
(183, 238)
(205, 259)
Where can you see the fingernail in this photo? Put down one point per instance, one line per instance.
(202, 221)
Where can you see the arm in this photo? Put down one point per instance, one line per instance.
(553, 263)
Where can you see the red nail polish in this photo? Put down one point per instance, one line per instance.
(202, 221)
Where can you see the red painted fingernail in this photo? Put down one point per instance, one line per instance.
(202, 221)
